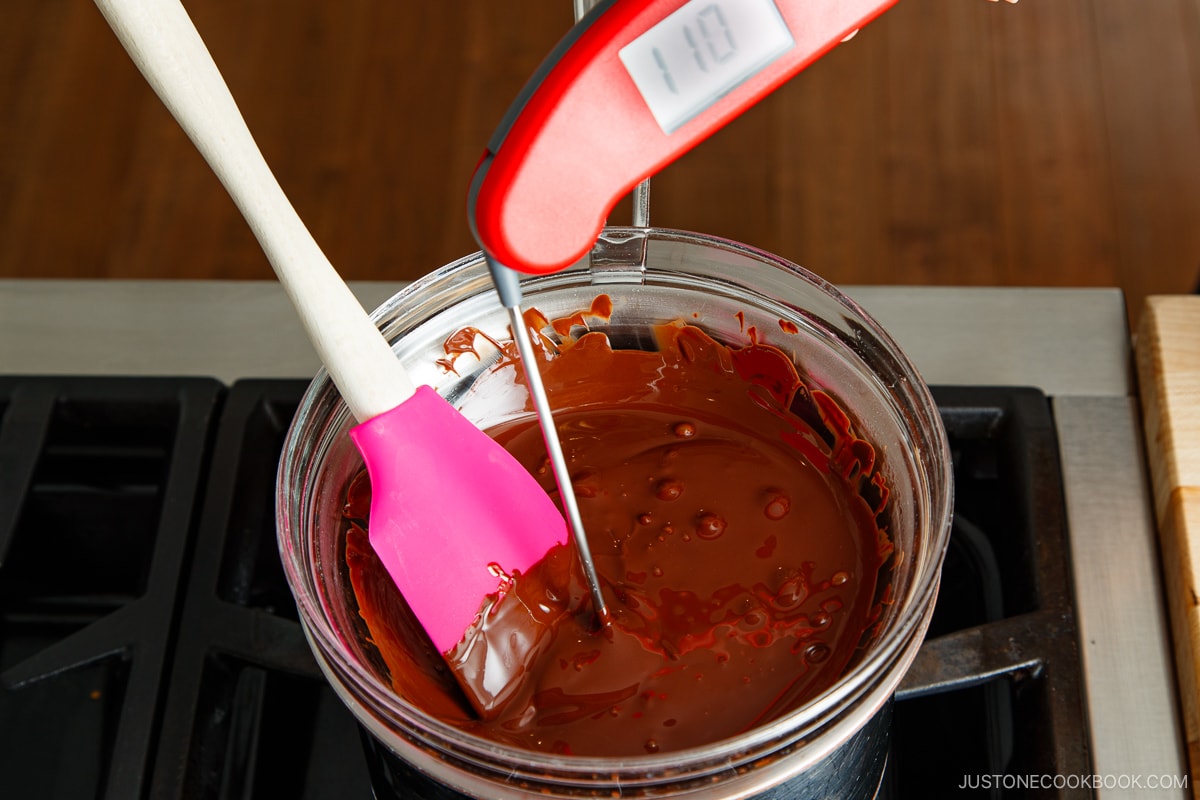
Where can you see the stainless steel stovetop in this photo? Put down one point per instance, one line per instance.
(1072, 345)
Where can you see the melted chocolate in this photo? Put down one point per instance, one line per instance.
(724, 507)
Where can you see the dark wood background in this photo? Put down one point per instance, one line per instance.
(954, 142)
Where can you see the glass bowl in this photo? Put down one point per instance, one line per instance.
(653, 276)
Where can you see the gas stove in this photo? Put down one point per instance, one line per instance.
(150, 648)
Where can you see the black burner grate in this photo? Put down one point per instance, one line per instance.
(249, 714)
(150, 647)
(98, 487)
(997, 685)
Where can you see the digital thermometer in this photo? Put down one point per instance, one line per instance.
(634, 86)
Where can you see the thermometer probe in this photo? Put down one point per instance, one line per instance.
(633, 86)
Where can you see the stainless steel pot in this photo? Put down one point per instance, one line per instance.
(834, 745)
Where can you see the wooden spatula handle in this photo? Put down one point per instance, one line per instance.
(164, 44)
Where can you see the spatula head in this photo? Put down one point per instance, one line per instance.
(451, 511)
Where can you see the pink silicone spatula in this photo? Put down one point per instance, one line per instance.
(448, 504)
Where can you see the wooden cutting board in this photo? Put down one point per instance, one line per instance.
(1168, 357)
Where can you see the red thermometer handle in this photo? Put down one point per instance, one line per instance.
(634, 86)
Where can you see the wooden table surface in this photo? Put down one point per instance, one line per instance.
(1168, 354)
(952, 142)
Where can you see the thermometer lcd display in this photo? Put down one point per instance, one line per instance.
(701, 52)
